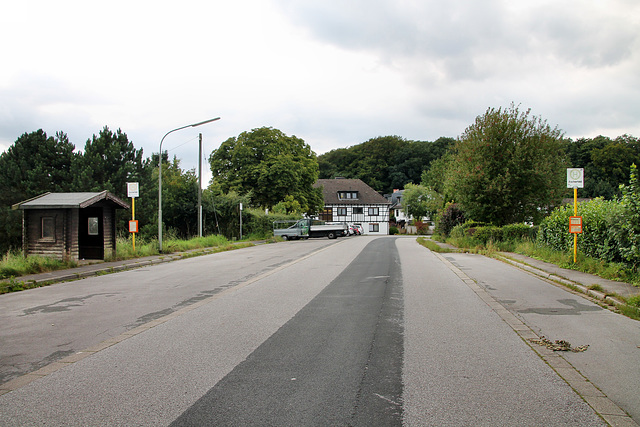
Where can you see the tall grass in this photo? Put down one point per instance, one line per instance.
(14, 264)
(586, 264)
(124, 246)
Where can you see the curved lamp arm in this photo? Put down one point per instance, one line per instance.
(160, 175)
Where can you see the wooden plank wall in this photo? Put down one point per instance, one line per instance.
(72, 250)
(108, 225)
(35, 244)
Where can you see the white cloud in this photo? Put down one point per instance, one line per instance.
(332, 73)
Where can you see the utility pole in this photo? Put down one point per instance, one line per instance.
(200, 187)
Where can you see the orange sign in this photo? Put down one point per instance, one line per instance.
(575, 224)
(133, 226)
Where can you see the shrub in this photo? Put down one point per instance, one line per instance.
(421, 227)
(393, 230)
(606, 230)
(488, 234)
(451, 216)
(516, 232)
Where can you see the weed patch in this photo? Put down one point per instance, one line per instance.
(432, 246)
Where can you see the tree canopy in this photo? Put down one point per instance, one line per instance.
(419, 201)
(507, 167)
(34, 164)
(606, 163)
(270, 165)
(108, 162)
(384, 163)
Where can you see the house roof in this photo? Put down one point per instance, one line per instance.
(69, 200)
(395, 198)
(366, 194)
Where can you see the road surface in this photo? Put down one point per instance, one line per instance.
(358, 331)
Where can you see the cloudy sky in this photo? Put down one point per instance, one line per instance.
(334, 73)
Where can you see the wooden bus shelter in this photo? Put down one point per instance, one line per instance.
(70, 226)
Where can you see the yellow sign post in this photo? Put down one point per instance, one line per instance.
(133, 192)
(575, 180)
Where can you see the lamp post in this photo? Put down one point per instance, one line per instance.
(160, 175)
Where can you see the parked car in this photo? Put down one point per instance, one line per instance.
(358, 228)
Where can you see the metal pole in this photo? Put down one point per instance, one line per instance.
(575, 235)
(200, 187)
(160, 176)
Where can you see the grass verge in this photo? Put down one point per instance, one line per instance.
(433, 246)
(14, 264)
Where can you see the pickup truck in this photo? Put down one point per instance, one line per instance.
(305, 228)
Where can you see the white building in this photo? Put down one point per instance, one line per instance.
(354, 202)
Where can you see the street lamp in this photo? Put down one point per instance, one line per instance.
(160, 175)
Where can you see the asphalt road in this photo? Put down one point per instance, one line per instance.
(359, 331)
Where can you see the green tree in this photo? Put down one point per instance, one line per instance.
(33, 165)
(108, 162)
(612, 162)
(384, 163)
(373, 160)
(409, 162)
(434, 177)
(179, 199)
(630, 224)
(579, 155)
(221, 211)
(270, 165)
(508, 167)
(420, 201)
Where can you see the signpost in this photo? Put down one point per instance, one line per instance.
(133, 191)
(241, 221)
(575, 180)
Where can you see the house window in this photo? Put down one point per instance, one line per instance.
(341, 212)
(93, 226)
(347, 195)
(358, 210)
(48, 228)
(326, 214)
(374, 211)
(374, 228)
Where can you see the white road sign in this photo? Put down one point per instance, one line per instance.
(133, 189)
(575, 178)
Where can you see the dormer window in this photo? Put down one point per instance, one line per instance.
(347, 195)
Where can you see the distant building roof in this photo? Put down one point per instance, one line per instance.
(69, 200)
(366, 194)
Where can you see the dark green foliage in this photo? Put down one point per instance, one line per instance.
(419, 201)
(629, 226)
(384, 163)
(270, 165)
(611, 229)
(108, 162)
(508, 167)
(33, 165)
(179, 199)
(222, 212)
(451, 216)
(606, 163)
(481, 233)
